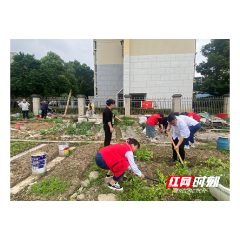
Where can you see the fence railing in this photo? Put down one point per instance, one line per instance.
(212, 105)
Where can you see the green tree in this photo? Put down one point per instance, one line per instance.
(216, 71)
(24, 75)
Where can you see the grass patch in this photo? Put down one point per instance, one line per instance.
(224, 151)
(19, 147)
(49, 187)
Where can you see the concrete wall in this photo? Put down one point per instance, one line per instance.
(160, 46)
(109, 51)
(109, 80)
(160, 75)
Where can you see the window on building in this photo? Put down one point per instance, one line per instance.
(95, 44)
(95, 67)
(95, 52)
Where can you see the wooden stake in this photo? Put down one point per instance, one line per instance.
(174, 146)
(67, 102)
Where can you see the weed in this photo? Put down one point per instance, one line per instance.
(143, 154)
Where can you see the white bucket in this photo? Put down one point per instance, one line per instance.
(63, 149)
(39, 163)
(23, 127)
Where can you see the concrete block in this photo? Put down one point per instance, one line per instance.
(126, 71)
(175, 64)
(174, 90)
(165, 64)
(165, 77)
(191, 76)
(126, 77)
(150, 71)
(161, 58)
(151, 58)
(187, 83)
(174, 77)
(146, 65)
(137, 78)
(137, 90)
(169, 84)
(146, 77)
(151, 84)
(189, 69)
(140, 84)
(183, 76)
(161, 70)
(170, 70)
(104, 67)
(160, 83)
(131, 64)
(130, 78)
(170, 57)
(184, 63)
(185, 89)
(132, 58)
(189, 57)
(156, 64)
(179, 70)
(142, 58)
(156, 77)
(179, 83)
(137, 65)
(179, 57)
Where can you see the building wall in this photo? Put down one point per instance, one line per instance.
(159, 67)
(109, 61)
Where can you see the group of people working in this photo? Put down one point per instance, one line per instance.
(118, 158)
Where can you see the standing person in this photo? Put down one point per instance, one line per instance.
(24, 105)
(194, 126)
(108, 121)
(180, 135)
(118, 158)
(150, 125)
(44, 108)
(91, 108)
(192, 115)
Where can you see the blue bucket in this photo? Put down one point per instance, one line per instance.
(223, 143)
(39, 163)
(40, 112)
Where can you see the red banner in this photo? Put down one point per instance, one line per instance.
(146, 104)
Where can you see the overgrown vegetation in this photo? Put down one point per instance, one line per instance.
(143, 154)
(18, 147)
(80, 129)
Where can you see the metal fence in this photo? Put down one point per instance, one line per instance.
(212, 105)
(157, 103)
(101, 102)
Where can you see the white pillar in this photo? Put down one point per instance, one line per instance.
(226, 105)
(176, 103)
(81, 105)
(127, 100)
(36, 103)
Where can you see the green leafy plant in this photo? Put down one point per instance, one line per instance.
(143, 154)
(49, 187)
(18, 147)
(143, 125)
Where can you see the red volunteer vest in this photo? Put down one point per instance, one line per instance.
(195, 116)
(153, 120)
(114, 156)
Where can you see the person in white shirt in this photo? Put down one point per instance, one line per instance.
(193, 126)
(180, 135)
(24, 105)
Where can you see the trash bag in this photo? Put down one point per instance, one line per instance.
(142, 120)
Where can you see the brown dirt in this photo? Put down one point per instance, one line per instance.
(71, 169)
(36, 126)
(20, 168)
(161, 156)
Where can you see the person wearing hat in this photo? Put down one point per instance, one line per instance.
(118, 158)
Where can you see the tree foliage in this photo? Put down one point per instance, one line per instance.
(216, 71)
(49, 77)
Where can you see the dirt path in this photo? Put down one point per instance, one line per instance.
(72, 169)
(20, 168)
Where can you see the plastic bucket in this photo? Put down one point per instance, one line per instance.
(17, 115)
(63, 149)
(39, 163)
(223, 143)
(19, 124)
(40, 112)
(23, 127)
(222, 115)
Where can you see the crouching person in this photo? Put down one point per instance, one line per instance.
(118, 158)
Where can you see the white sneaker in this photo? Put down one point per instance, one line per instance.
(192, 145)
(189, 143)
(153, 140)
(186, 147)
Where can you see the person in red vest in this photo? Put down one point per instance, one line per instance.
(118, 158)
(150, 125)
(192, 115)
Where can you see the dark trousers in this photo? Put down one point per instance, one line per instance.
(193, 130)
(44, 113)
(181, 148)
(25, 113)
(108, 135)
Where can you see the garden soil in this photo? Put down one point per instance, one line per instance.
(36, 126)
(72, 169)
(21, 168)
